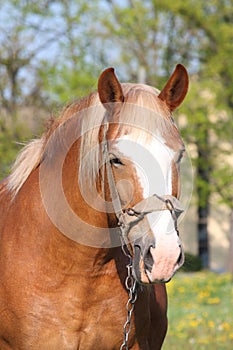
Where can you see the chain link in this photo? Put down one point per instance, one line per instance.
(131, 286)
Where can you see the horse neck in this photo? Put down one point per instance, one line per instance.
(41, 235)
(90, 221)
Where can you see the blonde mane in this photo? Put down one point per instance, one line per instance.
(27, 160)
(90, 112)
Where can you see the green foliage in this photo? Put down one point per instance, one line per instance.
(222, 177)
(9, 147)
(44, 62)
(8, 150)
(72, 73)
(193, 263)
(62, 85)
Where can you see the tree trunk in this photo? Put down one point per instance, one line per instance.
(203, 240)
(203, 193)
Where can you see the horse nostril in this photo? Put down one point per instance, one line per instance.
(148, 260)
(180, 258)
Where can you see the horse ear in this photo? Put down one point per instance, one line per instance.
(109, 88)
(176, 88)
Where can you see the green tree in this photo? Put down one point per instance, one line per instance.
(73, 72)
(44, 53)
(22, 40)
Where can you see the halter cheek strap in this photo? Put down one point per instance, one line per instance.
(116, 202)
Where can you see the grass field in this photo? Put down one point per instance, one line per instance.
(200, 312)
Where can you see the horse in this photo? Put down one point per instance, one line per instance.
(88, 237)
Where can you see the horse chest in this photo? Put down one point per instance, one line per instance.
(63, 322)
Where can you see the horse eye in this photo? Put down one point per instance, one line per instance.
(180, 156)
(116, 161)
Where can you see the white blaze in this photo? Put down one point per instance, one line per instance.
(153, 163)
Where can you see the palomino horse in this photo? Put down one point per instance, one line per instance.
(73, 202)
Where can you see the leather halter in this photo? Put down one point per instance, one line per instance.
(127, 218)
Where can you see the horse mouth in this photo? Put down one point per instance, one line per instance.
(139, 267)
(142, 268)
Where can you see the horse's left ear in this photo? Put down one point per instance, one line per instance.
(109, 88)
(176, 88)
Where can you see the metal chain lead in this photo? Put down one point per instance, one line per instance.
(131, 286)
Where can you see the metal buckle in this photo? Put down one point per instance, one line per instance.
(131, 212)
(169, 205)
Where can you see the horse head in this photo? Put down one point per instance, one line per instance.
(142, 151)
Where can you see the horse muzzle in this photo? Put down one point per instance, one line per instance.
(157, 264)
(151, 229)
